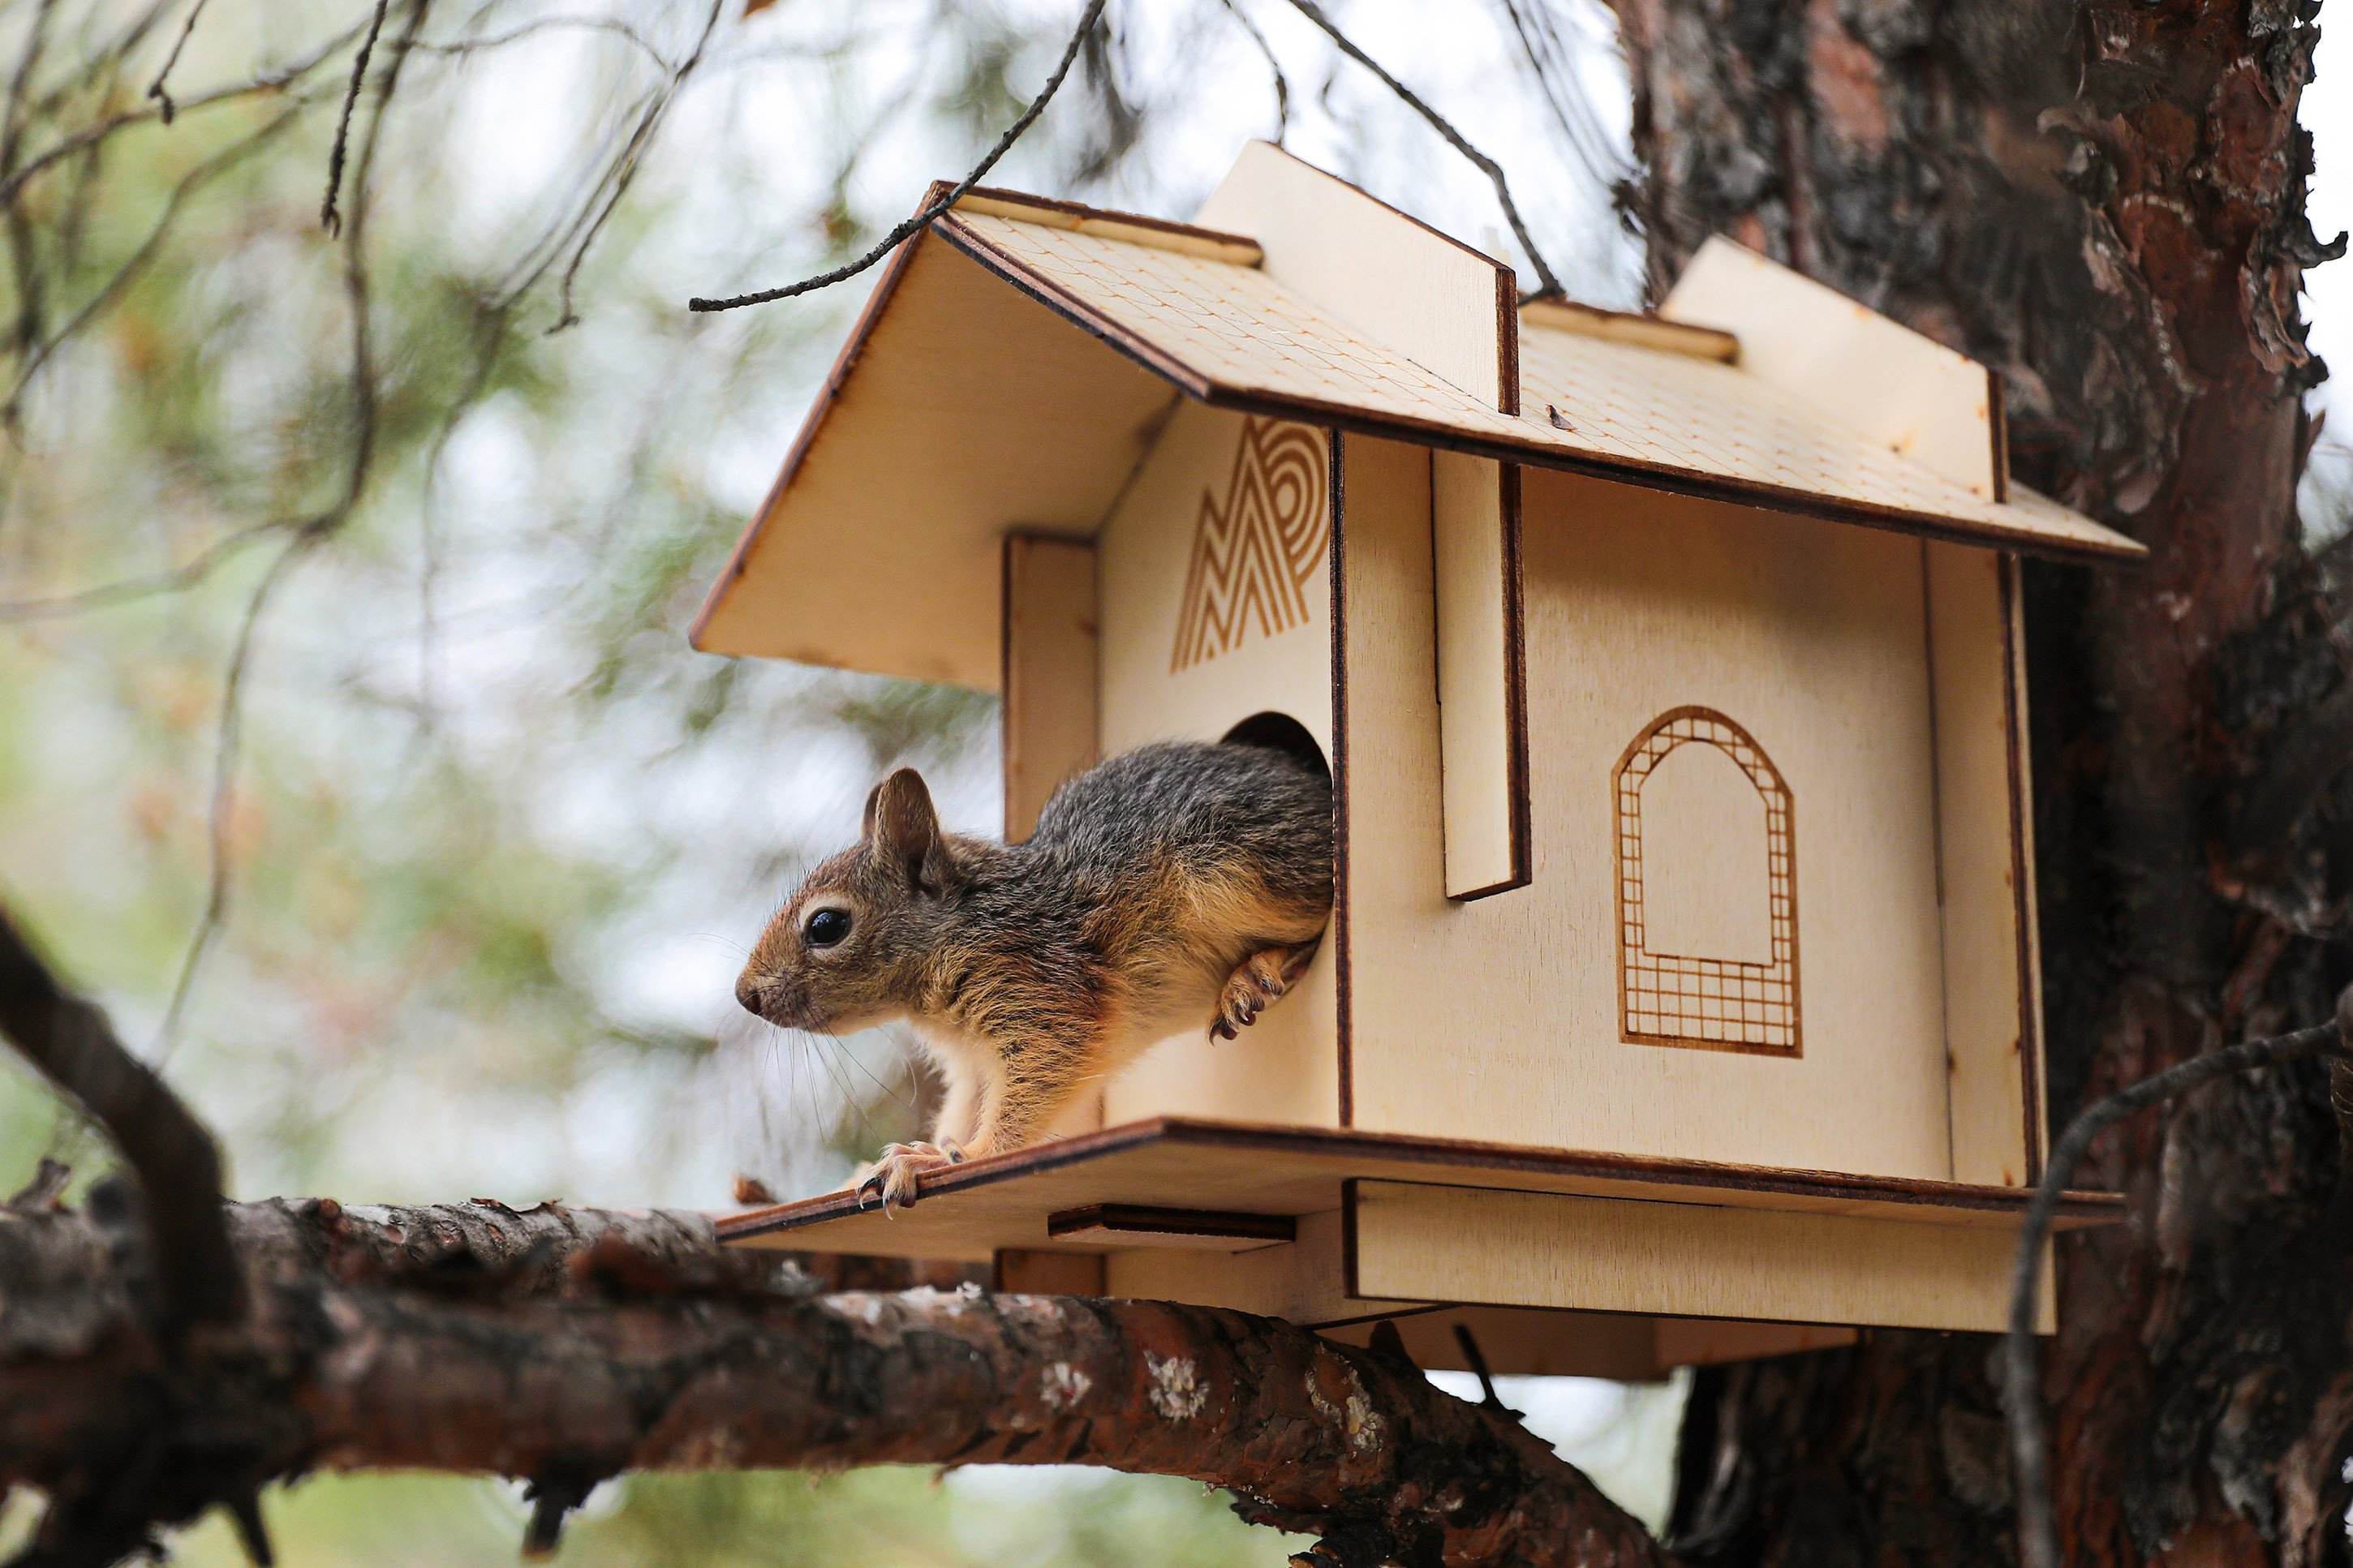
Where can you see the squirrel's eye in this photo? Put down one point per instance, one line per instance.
(826, 927)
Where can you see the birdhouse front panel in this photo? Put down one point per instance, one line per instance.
(1730, 947)
(1215, 609)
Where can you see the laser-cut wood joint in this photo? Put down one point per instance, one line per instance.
(1669, 676)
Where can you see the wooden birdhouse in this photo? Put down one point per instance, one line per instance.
(1679, 1002)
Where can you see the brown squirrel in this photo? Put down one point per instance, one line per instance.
(1176, 882)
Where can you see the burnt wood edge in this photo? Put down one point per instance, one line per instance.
(2023, 914)
(1348, 1240)
(1516, 692)
(1507, 340)
(1105, 215)
(1647, 475)
(1147, 1219)
(1998, 430)
(1504, 1159)
(1343, 962)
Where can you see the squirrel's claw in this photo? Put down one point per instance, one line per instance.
(895, 1177)
(1256, 984)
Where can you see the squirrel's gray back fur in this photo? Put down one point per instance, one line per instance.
(1172, 886)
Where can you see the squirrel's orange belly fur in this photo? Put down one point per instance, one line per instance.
(1172, 887)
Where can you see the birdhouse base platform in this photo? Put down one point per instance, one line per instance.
(1560, 1260)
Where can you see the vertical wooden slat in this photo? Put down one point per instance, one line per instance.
(1481, 673)
(1987, 957)
(1050, 671)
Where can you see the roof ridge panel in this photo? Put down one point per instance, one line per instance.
(1710, 431)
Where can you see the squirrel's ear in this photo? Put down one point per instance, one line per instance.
(904, 831)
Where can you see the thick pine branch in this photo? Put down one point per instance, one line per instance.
(564, 1346)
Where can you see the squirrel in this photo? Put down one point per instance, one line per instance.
(1177, 881)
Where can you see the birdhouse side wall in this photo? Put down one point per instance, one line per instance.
(1214, 601)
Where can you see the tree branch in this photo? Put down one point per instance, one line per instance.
(1546, 284)
(1273, 66)
(956, 193)
(565, 1346)
(195, 1276)
(99, 130)
(329, 218)
(156, 89)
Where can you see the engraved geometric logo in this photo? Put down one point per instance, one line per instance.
(1744, 996)
(1257, 550)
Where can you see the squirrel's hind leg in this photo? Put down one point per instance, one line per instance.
(1257, 984)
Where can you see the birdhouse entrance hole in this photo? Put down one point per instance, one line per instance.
(1282, 733)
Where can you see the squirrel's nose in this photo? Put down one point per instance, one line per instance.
(747, 993)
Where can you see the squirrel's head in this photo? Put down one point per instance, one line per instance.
(848, 946)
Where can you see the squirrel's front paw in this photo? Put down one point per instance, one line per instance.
(1254, 986)
(893, 1177)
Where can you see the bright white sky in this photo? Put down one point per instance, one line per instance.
(2327, 113)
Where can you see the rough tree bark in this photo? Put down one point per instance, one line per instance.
(565, 1346)
(2107, 204)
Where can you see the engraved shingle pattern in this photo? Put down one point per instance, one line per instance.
(1632, 409)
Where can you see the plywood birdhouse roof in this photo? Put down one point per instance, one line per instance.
(1017, 359)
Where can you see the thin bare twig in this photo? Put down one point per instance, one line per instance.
(187, 574)
(228, 745)
(99, 130)
(1274, 67)
(613, 25)
(1546, 283)
(102, 65)
(2038, 1536)
(230, 734)
(624, 171)
(156, 89)
(892, 240)
(115, 286)
(11, 132)
(329, 219)
(1541, 45)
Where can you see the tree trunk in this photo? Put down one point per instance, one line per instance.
(2107, 206)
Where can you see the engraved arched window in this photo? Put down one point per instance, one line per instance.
(1707, 889)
